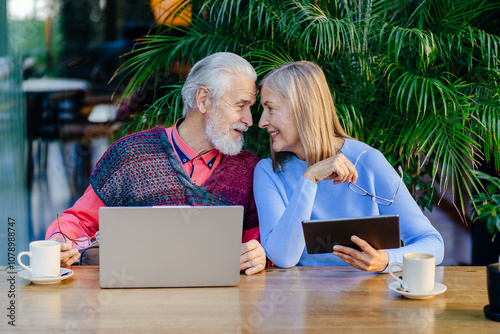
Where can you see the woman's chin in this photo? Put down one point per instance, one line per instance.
(276, 148)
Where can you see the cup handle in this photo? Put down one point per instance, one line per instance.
(22, 264)
(396, 264)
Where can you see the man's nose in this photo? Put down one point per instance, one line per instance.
(247, 117)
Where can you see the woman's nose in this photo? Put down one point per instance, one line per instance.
(263, 122)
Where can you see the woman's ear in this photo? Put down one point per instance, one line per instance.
(202, 99)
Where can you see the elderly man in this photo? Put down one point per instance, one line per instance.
(198, 161)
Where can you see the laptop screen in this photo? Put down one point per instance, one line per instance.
(170, 246)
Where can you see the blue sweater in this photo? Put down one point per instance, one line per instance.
(286, 198)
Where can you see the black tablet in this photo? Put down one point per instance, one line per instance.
(381, 232)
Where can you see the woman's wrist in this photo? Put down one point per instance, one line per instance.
(308, 175)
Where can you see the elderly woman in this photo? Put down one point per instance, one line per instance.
(316, 171)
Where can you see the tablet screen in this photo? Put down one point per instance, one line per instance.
(381, 232)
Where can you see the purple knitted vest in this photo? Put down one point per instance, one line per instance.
(143, 170)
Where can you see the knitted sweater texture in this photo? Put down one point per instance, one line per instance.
(143, 170)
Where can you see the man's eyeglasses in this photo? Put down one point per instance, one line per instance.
(77, 242)
(377, 199)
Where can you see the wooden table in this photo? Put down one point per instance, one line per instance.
(297, 300)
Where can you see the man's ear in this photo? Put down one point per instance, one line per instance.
(202, 99)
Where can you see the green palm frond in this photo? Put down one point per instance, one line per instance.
(267, 58)
(449, 148)
(410, 45)
(486, 126)
(423, 93)
(318, 32)
(147, 60)
(440, 15)
(351, 119)
(489, 46)
(456, 14)
(222, 10)
(469, 50)
(154, 53)
(487, 202)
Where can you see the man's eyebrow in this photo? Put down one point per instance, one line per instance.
(246, 101)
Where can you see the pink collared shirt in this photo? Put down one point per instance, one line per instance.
(198, 167)
(82, 219)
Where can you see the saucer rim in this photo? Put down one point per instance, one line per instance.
(489, 314)
(25, 274)
(439, 288)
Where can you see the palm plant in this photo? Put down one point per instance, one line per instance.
(487, 203)
(419, 80)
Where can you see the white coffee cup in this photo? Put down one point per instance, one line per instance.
(45, 258)
(418, 272)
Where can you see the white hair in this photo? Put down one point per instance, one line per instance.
(216, 73)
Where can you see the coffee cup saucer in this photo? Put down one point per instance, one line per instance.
(439, 288)
(490, 314)
(63, 274)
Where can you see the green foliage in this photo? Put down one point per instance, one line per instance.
(487, 203)
(419, 80)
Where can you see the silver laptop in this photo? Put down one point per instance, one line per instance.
(170, 246)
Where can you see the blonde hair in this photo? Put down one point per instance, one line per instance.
(303, 85)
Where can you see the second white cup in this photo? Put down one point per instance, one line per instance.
(45, 258)
(419, 271)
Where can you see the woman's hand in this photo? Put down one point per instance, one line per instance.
(338, 168)
(69, 255)
(370, 259)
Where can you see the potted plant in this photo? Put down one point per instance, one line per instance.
(486, 218)
(487, 203)
(487, 210)
(492, 311)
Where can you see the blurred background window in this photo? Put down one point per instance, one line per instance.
(57, 103)
(78, 39)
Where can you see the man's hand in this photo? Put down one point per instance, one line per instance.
(68, 254)
(253, 257)
(370, 259)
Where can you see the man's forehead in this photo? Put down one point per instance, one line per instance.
(243, 90)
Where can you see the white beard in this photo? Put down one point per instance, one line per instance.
(221, 138)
